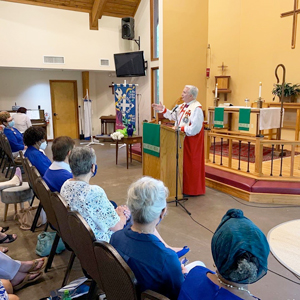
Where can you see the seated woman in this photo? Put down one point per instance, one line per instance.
(34, 139)
(13, 135)
(22, 121)
(14, 274)
(240, 251)
(154, 264)
(90, 200)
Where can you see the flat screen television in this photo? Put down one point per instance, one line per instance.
(130, 64)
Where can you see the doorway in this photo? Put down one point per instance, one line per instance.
(64, 101)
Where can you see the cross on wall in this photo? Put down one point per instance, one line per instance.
(293, 13)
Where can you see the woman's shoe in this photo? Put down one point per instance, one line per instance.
(4, 229)
(27, 280)
(183, 251)
(3, 249)
(8, 239)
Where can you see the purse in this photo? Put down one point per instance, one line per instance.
(44, 244)
(26, 216)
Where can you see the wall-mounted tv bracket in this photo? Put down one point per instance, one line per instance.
(138, 41)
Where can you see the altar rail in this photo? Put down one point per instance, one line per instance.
(283, 156)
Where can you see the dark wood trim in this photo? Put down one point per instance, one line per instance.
(152, 30)
(152, 88)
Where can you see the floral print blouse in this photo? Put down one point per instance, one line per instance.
(93, 205)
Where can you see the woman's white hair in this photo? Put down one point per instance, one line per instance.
(193, 90)
(146, 199)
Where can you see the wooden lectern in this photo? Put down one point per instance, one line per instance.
(164, 166)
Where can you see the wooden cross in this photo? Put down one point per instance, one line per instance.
(112, 88)
(293, 13)
(223, 67)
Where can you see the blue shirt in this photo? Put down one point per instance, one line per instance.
(198, 286)
(15, 139)
(155, 267)
(38, 159)
(56, 178)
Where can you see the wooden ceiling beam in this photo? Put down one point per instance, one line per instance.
(54, 4)
(96, 14)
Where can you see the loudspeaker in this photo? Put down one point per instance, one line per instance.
(128, 28)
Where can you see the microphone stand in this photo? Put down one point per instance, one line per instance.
(177, 201)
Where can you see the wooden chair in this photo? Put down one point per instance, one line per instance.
(27, 169)
(61, 211)
(12, 161)
(44, 194)
(117, 279)
(83, 239)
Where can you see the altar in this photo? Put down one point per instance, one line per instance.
(265, 118)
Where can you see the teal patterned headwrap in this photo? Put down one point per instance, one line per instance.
(239, 238)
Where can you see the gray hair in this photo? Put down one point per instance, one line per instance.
(244, 270)
(81, 160)
(193, 91)
(146, 199)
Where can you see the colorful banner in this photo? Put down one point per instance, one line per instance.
(244, 119)
(125, 101)
(151, 138)
(219, 117)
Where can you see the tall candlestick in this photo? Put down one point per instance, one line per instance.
(259, 91)
(216, 91)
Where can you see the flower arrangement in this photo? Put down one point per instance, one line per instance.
(117, 135)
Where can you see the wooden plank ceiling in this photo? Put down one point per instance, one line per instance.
(95, 8)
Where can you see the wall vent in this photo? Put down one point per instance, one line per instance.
(104, 62)
(54, 60)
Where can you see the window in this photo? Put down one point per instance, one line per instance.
(154, 24)
(154, 88)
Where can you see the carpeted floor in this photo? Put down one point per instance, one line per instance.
(284, 241)
(244, 151)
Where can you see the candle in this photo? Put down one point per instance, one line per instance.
(259, 91)
(216, 91)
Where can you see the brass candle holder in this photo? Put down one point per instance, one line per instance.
(216, 101)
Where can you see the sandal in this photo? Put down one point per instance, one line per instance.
(183, 251)
(3, 249)
(4, 229)
(8, 239)
(35, 263)
(27, 280)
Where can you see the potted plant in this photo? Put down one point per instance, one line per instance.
(290, 91)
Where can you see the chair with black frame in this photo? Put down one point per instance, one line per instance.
(61, 211)
(44, 194)
(12, 161)
(118, 280)
(27, 169)
(83, 239)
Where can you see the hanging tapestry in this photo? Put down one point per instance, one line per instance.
(125, 101)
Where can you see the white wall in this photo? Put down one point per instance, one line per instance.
(30, 88)
(27, 33)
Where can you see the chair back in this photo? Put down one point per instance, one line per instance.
(61, 211)
(44, 194)
(151, 295)
(83, 238)
(118, 281)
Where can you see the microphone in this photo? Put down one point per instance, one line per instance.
(175, 107)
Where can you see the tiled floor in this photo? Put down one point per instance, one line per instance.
(177, 228)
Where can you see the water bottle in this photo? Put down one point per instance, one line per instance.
(66, 295)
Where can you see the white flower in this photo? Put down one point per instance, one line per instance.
(117, 135)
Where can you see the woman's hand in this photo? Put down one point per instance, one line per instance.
(158, 107)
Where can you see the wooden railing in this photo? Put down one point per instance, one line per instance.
(245, 155)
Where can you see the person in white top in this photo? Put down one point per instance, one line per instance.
(22, 121)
